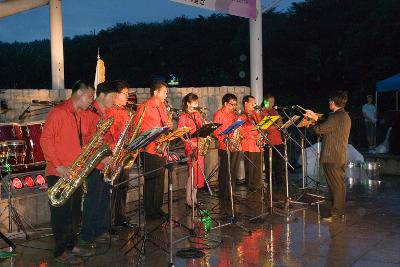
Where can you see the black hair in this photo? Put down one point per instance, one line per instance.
(81, 85)
(156, 85)
(187, 99)
(105, 88)
(246, 99)
(228, 97)
(339, 98)
(119, 85)
(266, 98)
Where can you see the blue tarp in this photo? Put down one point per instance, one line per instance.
(388, 85)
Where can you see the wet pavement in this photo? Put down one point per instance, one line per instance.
(369, 236)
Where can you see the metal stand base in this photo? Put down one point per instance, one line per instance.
(233, 221)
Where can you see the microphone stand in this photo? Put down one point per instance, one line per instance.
(193, 159)
(233, 220)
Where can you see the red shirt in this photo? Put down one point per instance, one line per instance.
(94, 119)
(250, 135)
(273, 134)
(193, 121)
(155, 116)
(226, 118)
(121, 117)
(60, 137)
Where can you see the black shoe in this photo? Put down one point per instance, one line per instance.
(126, 224)
(153, 216)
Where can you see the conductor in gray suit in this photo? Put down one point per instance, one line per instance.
(335, 136)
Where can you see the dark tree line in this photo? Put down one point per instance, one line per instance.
(314, 47)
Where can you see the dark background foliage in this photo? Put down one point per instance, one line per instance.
(311, 49)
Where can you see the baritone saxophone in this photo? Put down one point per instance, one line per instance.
(121, 157)
(83, 165)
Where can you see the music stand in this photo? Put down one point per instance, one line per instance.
(203, 132)
(287, 209)
(233, 219)
(264, 124)
(305, 177)
(141, 142)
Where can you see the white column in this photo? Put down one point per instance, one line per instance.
(256, 56)
(56, 43)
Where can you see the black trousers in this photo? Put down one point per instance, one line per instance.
(223, 174)
(65, 220)
(253, 174)
(153, 183)
(120, 197)
(96, 218)
(278, 166)
(337, 187)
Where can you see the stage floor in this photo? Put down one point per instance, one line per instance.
(370, 235)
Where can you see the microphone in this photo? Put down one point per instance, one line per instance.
(170, 108)
(281, 108)
(258, 107)
(26, 111)
(298, 107)
(174, 109)
(200, 108)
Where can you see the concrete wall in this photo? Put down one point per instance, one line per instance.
(19, 99)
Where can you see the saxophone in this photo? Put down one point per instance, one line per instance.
(235, 141)
(161, 147)
(204, 145)
(120, 156)
(83, 165)
(204, 142)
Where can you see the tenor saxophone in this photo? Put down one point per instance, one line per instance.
(121, 157)
(234, 144)
(83, 165)
(161, 147)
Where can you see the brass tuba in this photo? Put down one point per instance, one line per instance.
(121, 156)
(83, 165)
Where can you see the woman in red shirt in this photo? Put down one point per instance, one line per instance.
(192, 118)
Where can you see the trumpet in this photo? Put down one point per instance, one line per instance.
(306, 121)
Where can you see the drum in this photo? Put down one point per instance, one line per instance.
(10, 131)
(31, 133)
(13, 151)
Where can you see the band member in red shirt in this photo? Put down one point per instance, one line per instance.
(121, 116)
(96, 206)
(250, 147)
(63, 137)
(226, 115)
(155, 116)
(274, 135)
(192, 118)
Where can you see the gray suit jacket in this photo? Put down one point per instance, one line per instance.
(335, 137)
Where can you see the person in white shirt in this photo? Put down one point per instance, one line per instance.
(369, 113)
